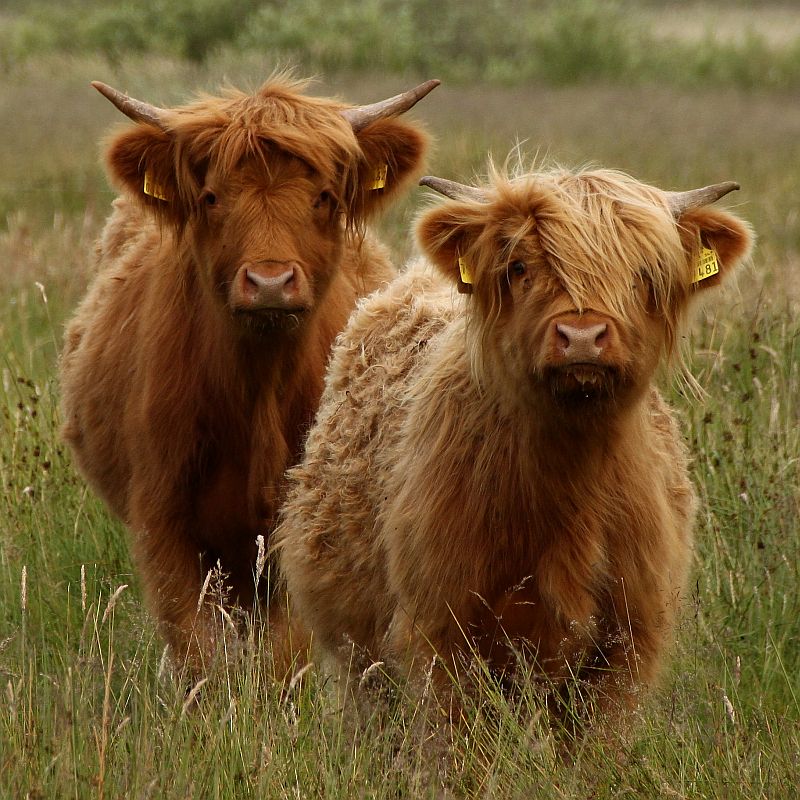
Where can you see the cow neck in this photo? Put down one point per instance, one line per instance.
(546, 439)
(564, 459)
(580, 445)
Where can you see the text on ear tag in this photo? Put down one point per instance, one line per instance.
(379, 177)
(152, 189)
(707, 265)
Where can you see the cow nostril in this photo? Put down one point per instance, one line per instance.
(562, 333)
(601, 338)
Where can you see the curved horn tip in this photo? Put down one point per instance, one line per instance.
(362, 116)
(132, 108)
(118, 99)
(453, 190)
(681, 202)
(429, 86)
(103, 88)
(725, 187)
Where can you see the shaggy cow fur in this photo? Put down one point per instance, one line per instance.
(193, 368)
(496, 474)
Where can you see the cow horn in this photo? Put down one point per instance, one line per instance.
(453, 190)
(135, 109)
(681, 202)
(361, 116)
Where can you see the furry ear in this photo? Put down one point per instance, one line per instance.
(393, 151)
(707, 229)
(142, 159)
(448, 235)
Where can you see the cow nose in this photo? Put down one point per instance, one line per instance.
(579, 342)
(266, 286)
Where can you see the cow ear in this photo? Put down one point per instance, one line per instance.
(716, 242)
(392, 155)
(141, 159)
(448, 235)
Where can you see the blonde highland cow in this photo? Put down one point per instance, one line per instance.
(493, 473)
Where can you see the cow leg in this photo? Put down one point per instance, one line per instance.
(432, 663)
(628, 660)
(174, 577)
(289, 639)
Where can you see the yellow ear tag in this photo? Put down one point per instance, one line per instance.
(152, 189)
(707, 265)
(379, 177)
(463, 268)
(465, 284)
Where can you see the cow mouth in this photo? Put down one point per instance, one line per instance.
(583, 382)
(265, 320)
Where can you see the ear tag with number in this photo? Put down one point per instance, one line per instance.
(707, 265)
(379, 177)
(465, 276)
(152, 189)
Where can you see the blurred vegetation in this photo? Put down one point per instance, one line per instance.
(501, 41)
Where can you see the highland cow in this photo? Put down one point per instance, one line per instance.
(492, 473)
(193, 368)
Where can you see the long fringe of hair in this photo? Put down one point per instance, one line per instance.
(600, 231)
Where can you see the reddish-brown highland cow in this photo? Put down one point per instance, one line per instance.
(494, 472)
(193, 368)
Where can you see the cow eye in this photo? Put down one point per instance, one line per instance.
(518, 267)
(323, 198)
(208, 198)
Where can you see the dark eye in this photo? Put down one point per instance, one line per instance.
(517, 267)
(208, 198)
(322, 199)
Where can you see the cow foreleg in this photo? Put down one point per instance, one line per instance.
(627, 661)
(185, 596)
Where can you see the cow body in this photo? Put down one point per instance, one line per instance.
(496, 475)
(194, 365)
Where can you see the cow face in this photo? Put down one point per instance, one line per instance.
(267, 239)
(264, 189)
(579, 283)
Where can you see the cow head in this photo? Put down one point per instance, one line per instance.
(579, 282)
(264, 188)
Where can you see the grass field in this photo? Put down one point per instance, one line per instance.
(89, 707)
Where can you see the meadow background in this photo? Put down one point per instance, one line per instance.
(681, 95)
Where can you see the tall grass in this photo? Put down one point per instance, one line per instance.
(89, 705)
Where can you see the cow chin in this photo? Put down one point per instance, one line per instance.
(269, 321)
